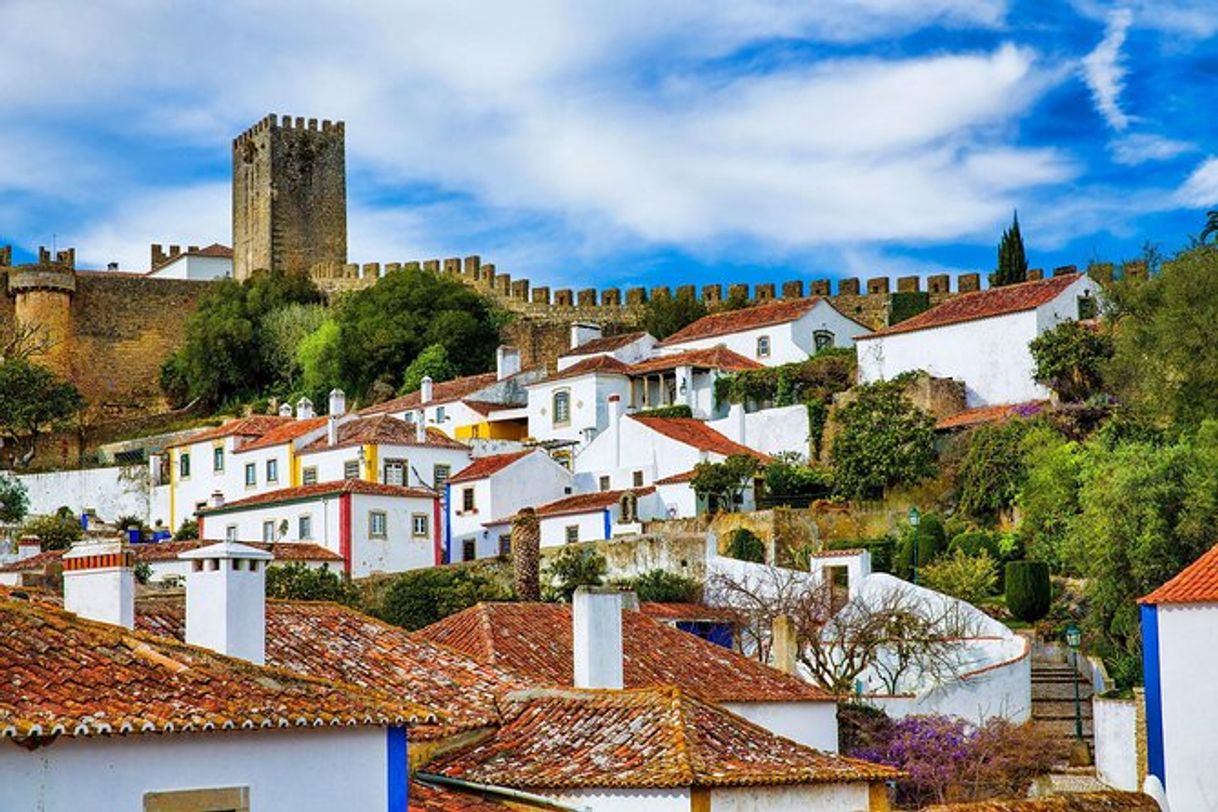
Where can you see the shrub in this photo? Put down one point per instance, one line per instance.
(969, 578)
(795, 481)
(56, 532)
(572, 567)
(724, 481)
(976, 542)
(665, 315)
(1070, 359)
(421, 597)
(992, 470)
(884, 440)
(883, 551)
(745, 546)
(1028, 591)
(187, 531)
(14, 500)
(679, 410)
(296, 581)
(142, 572)
(662, 586)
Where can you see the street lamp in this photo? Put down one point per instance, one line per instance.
(915, 518)
(1074, 638)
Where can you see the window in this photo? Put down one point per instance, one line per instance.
(638, 479)
(272, 470)
(378, 524)
(572, 533)
(822, 339)
(351, 469)
(394, 472)
(308, 476)
(562, 407)
(468, 550)
(440, 414)
(604, 483)
(268, 531)
(304, 527)
(217, 458)
(230, 532)
(251, 475)
(440, 475)
(628, 508)
(505, 545)
(227, 799)
(184, 466)
(419, 525)
(763, 346)
(467, 500)
(1088, 308)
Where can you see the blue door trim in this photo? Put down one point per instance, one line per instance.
(448, 523)
(1151, 676)
(397, 769)
(608, 524)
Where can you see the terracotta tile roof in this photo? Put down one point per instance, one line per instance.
(839, 553)
(381, 429)
(991, 414)
(337, 643)
(284, 433)
(779, 311)
(485, 466)
(600, 364)
(442, 392)
(984, 304)
(585, 502)
(425, 797)
(75, 677)
(648, 738)
(606, 344)
(719, 357)
(1196, 583)
(676, 479)
(358, 486)
(169, 550)
(534, 639)
(35, 563)
(677, 612)
(1111, 801)
(486, 407)
(695, 433)
(253, 426)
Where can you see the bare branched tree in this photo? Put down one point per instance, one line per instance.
(20, 340)
(894, 636)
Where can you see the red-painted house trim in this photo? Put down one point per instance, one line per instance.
(435, 531)
(344, 530)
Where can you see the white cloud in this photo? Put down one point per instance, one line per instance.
(1139, 148)
(1201, 187)
(1104, 71)
(1187, 18)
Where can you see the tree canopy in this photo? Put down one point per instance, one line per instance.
(432, 363)
(1012, 261)
(883, 440)
(665, 315)
(34, 399)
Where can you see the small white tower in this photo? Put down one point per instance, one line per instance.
(99, 581)
(304, 409)
(226, 599)
(338, 403)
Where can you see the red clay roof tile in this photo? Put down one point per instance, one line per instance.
(1196, 583)
(425, 797)
(381, 429)
(170, 550)
(695, 433)
(357, 486)
(605, 344)
(991, 414)
(284, 433)
(719, 357)
(253, 426)
(779, 311)
(441, 392)
(485, 466)
(585, 502)
(600, 364)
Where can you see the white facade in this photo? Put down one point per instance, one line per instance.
(587, 411)
(193, 266)
(770, 431)
(108, 492)
(784, 343)
(810, 723)
(282, 769)
(600, 524)
(1115, 724)
(414, 466)
(990, 356)
(630, 353)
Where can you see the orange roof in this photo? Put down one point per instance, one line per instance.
(34, 563)
(253, 426)
(357, 486)
(719, 357)
(677, 612)
(483, 467)
(169, 550)
(991, 414)
(605, 344)
(984, 304)
(284, 433)
(335, 642)
(1196, 583)
(642, 738)
(441, 392)
(425, 797)
(381, 429)
(75, 677)
(602, 364)
(585, 502)
(676, 479)
(1108, 801)
(695, 433)
(534, 639)
(778, 311)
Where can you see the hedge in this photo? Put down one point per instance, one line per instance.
(1028, 591)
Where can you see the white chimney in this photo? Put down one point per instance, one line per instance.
(338, 403)
(217, 499)
(304, 409)
(615, 428)
(28, 547)
(332, 429)
(583, 332)
(425, 389)
(99, 581)
(596, 626)
(420, 426)
(507, 362)
(226, 599)
(285, 409)
(735, 423)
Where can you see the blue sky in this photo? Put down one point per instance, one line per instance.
(628, 142)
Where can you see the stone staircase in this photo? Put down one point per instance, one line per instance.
(1053, 699)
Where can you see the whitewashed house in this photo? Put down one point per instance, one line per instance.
(587, 341)
(597, 516)
(1179, 648)
(491, 490)
(214, 261)
(779, 332)
(155, 725)
(981, 338)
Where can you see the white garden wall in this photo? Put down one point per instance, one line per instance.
(110, 492)
(1115, 722)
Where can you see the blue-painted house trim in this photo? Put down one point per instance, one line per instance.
(608, 524)
(448, 523)
(1151, 675)
(397, 769)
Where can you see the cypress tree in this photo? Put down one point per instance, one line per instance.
(1012, 262)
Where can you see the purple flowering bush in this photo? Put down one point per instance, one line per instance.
(947, 759)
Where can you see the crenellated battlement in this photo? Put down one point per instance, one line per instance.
(274, 121)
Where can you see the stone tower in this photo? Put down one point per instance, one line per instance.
(43, 294)
(289, 196)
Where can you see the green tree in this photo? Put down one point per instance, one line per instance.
(1211, 227)
(666, 315)
(1070, 360)
(662, 586)
(296, 581)
(744, 545)
(282, 330)
(431, 362)
(388, 325)
(187, 531)
(1012, 261)
(57, 531)
(1048, 496)
(33, 400)
(572, 567)
(421, 597)
(883, 441)
(789, 477)
(992, 470)
(970, 578)
(320, 361)
(724, 482)
(1029, 593)
(14, 499)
